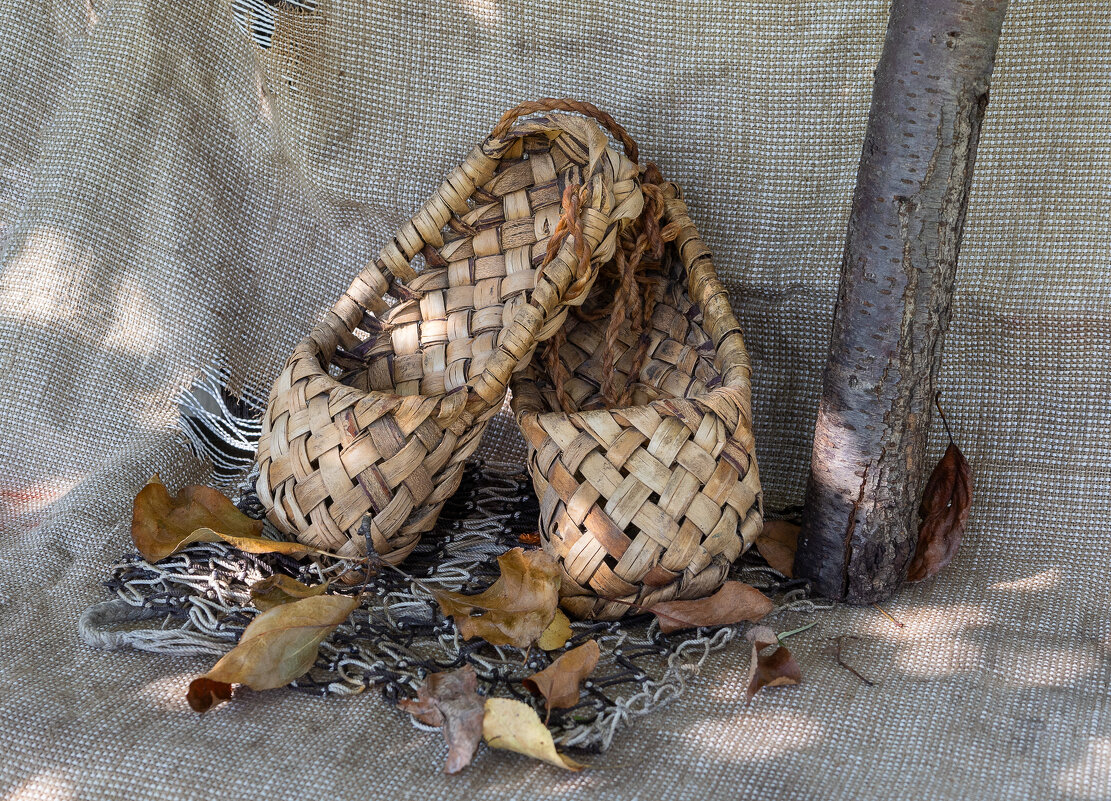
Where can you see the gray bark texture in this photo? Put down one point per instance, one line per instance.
(868, 464)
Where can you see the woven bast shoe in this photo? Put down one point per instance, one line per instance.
(641, 449)
(369, 423)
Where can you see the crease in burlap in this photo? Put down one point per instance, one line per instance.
(175, 199)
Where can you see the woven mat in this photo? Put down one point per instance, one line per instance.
(176, 197)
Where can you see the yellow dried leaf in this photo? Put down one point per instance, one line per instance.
(277, 647)
(515, 609)
(514, 726)
(557, 634)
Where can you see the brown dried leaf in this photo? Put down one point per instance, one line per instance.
(277, 647)
(777, 543)
(515, 726)
(163, 524)
(281, 589)
(769, 668)
(944, 513)
(559, 682)
(734, 602)
(516, 608)
(451, 700)
(557, 634)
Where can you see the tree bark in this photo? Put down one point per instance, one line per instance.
(897, 275)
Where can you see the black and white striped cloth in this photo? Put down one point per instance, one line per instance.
(258, 18)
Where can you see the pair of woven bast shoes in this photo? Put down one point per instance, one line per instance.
(556, 266)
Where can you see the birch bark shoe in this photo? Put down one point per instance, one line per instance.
(643, 455)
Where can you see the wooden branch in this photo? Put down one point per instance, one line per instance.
(900, 262)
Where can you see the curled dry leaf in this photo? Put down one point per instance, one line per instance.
(944, 513)
(734, 602)
(559, 682)
(451, 700)
(163, 524)
(515, 609)
(281, 589)
(277, 647)
(557, 634)
(777, 543)
(769, 668)
(515, 726)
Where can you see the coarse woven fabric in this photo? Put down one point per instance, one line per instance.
(174, 197)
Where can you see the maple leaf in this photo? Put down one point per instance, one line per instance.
(515, 609)
(163, 524)
(451, 701)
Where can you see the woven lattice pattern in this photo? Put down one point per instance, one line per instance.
(369, 424)
(655, 500)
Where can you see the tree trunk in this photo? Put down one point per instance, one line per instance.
(900, 262)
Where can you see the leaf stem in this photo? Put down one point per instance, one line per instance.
(793, 632)
(937, 403)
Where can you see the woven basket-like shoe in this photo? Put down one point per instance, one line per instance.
(654, 499)
(370, 421)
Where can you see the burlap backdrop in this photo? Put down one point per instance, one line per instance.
(173, 197)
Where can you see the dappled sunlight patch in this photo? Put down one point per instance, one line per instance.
(750, 736)
(168, 692)
(39, 282)
(1038, 582)
(1088, 776)
(486, 13)
(45, 784)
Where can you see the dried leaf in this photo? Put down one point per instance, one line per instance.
(277, 647)
(559, 682)
(451, 700)
(557, 634)
(281, 589)
(769, 668)
(163, 524)
(777, 543)
(205, 693)
(734, 602)
(944, 513)
(514, 726)
(515, 609)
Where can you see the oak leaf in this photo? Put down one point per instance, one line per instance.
(944, 512)
(451, 701)
(163, 524)
(734, 602)
(281, 589)
(277, 647)
(515, 609)
(557, 634)
(777, 543)
(769, 668)
(514, 726)
(559, 682)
